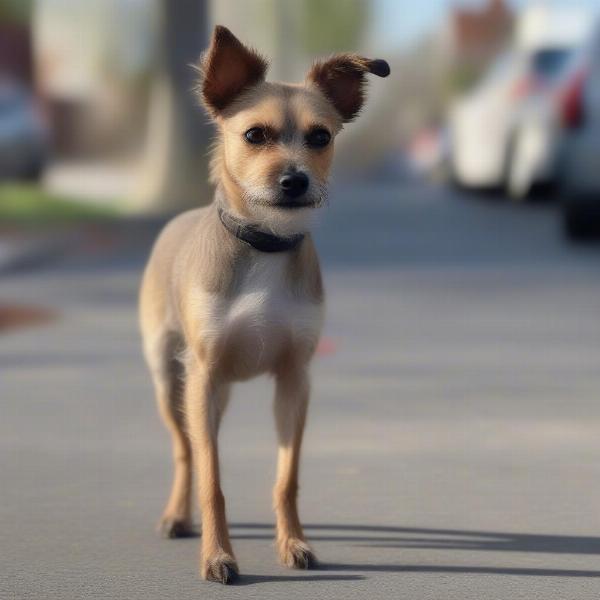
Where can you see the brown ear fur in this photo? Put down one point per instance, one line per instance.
(228, 68)
(342, 79)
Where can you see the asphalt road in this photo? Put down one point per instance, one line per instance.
(453, 446)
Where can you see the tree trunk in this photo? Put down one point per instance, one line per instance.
(175, 161)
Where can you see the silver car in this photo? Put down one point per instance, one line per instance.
(580, 154)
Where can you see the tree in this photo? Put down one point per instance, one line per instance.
(332, 26)
(174, 173)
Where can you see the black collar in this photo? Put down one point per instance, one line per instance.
(251, 234)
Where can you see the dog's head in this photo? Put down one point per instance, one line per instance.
(276, 140)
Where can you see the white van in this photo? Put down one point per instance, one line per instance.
(506, 132)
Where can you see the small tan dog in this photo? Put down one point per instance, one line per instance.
(233, 290)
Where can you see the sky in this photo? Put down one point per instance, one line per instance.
(400, 22)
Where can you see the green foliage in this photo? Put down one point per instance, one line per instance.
(15, 11)
(30, 204)
(462, 78)
(332, 26)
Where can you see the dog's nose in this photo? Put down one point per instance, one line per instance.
(294, 183)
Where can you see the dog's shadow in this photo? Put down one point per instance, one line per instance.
(379, 536)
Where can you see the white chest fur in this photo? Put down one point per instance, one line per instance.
(263, 318)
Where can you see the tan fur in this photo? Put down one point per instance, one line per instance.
(214, 310)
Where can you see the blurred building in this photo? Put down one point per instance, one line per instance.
(472, 37)
(15, 44)
(477, 35)
(91, 59)
(117, 78)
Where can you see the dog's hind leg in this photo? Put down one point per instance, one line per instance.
(167, 375)
(291, 402)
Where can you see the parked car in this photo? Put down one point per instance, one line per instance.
(579, 174)
(506, 133)
(23, 133)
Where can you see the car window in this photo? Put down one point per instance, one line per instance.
(550, 62)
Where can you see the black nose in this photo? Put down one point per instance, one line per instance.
(294, 183)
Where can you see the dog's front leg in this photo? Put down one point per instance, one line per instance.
(205, 403)
(291, 402)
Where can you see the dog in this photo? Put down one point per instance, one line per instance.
(233, 290)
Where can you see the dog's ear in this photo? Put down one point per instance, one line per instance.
(227, 69)
(342, 79)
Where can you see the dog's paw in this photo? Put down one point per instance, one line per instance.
(171, 528)
(220, 567)
(296, 554)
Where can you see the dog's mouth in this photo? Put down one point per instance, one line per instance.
(291, 204)
(294, 204)
(281, 203)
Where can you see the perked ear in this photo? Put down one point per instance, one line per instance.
(342, 79)
(228, 68)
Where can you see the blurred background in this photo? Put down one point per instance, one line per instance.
(461, 356)
(488, 95)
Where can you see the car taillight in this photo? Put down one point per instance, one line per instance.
(571, 103)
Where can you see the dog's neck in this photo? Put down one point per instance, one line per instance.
(252, 233)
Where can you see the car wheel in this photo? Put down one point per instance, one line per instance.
(580, 223)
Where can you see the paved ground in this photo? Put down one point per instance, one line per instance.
(453, 449)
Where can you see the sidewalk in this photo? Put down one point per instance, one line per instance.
(452, 444)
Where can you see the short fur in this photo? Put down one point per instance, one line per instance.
(214, 310)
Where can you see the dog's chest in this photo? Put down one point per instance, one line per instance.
(264, 318)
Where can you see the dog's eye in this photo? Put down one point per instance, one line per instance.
(318, 138)
(256, 135)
